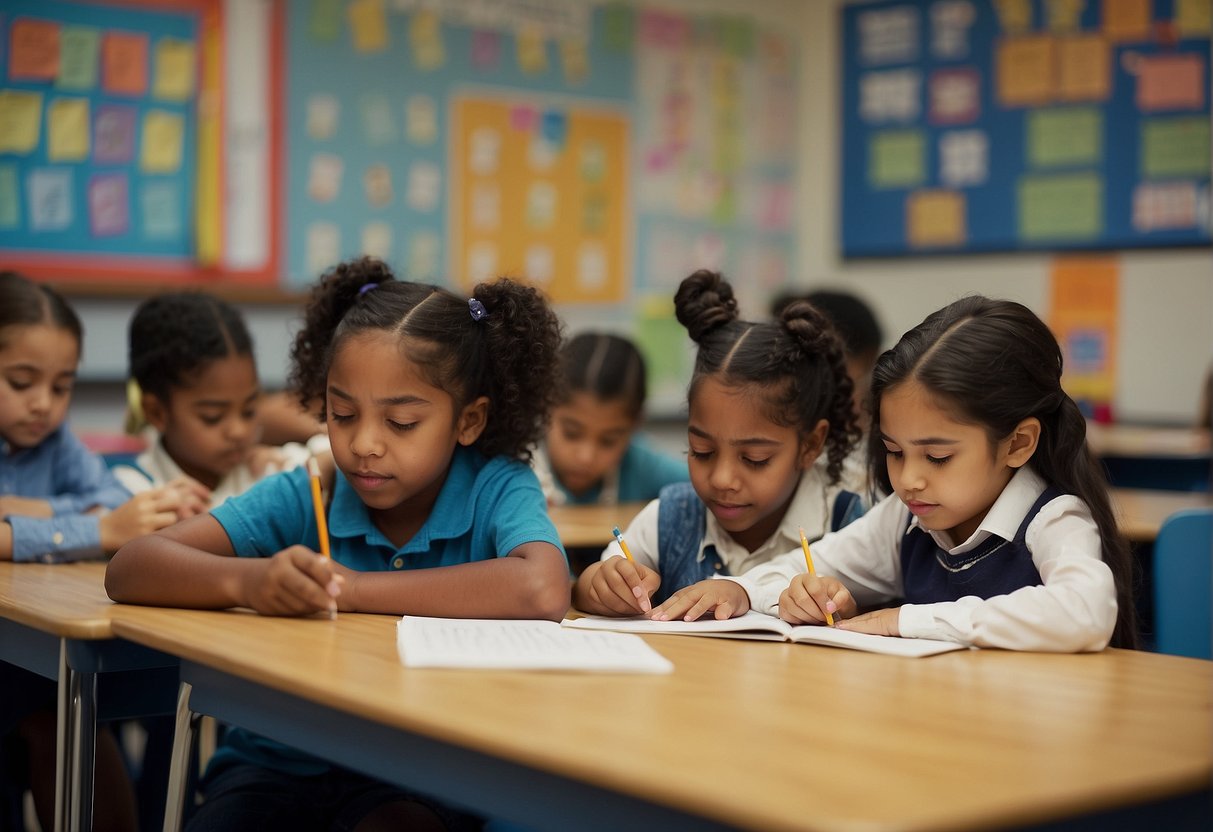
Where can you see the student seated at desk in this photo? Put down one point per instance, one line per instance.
(432, 403)
(191, 358)
(58, 502)
(998, 531)
(593, 453)
(765, 401)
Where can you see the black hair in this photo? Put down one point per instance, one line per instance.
(509, 355)
(26, 303)
(797, 362)
(853, 319)
(607, 366)
(175, 335)
(994, 363)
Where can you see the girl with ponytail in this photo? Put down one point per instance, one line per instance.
(998, 531)
(769, 425)
(432, 402)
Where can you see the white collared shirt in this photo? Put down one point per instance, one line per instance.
(810, 507)
(1073, 610)
(157, 468)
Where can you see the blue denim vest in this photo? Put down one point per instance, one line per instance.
(996, 567)
(681, 523)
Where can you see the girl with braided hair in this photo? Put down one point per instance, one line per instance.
(998, 530)
(769, 425)
(432, 402)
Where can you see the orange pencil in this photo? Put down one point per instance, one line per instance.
(808, 559)
(322, 526)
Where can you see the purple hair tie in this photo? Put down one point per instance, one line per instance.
(366, 287)
(477, 309)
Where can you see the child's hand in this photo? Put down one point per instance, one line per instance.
(296, 581)
(878, 622)
(623, 587)
(808, 598)
(726, 599)
(195, 497)
(263, 459)
(25, 507)
(142, 514)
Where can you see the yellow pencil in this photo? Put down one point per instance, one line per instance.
(322, 526)
(622, 543)
(808, 559)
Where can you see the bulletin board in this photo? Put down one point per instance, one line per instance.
(98, 128)
(640, 143)
(1001, 125)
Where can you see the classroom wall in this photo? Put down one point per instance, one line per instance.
(1166, 297)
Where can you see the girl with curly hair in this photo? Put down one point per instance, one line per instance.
(432, 402)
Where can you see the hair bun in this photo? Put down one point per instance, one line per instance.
(809, 327)
(704, 303)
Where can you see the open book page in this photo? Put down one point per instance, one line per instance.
(492, 644)
(755, 625)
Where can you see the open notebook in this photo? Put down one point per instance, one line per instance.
(492, 644)
(754, 625)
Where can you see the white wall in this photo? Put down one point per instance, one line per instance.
(1166, 297)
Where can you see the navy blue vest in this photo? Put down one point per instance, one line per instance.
(681, 523)
(996, 567)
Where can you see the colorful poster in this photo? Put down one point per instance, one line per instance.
(528, 203)
(1084, 313)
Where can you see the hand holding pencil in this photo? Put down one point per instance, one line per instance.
(813, 600)
(617, 585)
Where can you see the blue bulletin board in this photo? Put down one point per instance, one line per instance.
(97, 132)
(999, 125)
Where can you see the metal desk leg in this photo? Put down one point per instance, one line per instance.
(82, 689)
(185, 735)
(62, 749)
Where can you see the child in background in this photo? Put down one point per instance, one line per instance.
(432, 403)
(593, 453)
(58, 503)
(998, 531)
(191, 356)
(765, 401)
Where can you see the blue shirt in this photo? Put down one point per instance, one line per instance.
(643, 472)
(486, 508)
(73, 480)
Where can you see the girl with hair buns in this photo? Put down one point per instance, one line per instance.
(769, 425)
(432, 402)
(998, 530)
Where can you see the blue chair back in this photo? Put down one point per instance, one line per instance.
(1183, 584)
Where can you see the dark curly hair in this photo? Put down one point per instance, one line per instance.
(173, 336)
(994, 363)
(607, 366)
(25, 303)
(510, 356)
(796, 364)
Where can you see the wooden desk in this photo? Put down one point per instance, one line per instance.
(55, 621)
(1145, 441)
(1140, 512)
(742, 735)
(583, 527)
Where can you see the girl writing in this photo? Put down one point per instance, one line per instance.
(998, 531)
(432, 402)
(191, 357)
(592, 452)
(766, 400)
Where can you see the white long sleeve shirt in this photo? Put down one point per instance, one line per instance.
(1074, 609)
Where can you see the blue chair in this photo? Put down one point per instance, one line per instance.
(1183, 584)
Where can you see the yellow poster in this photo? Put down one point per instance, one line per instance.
(1025, 71)
(935, 218)
(163, 136)
(540, 191)
(20, 119)
(175, 70)
(1085, 304)
(67, 130)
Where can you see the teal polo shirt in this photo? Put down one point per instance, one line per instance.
(486, 508)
